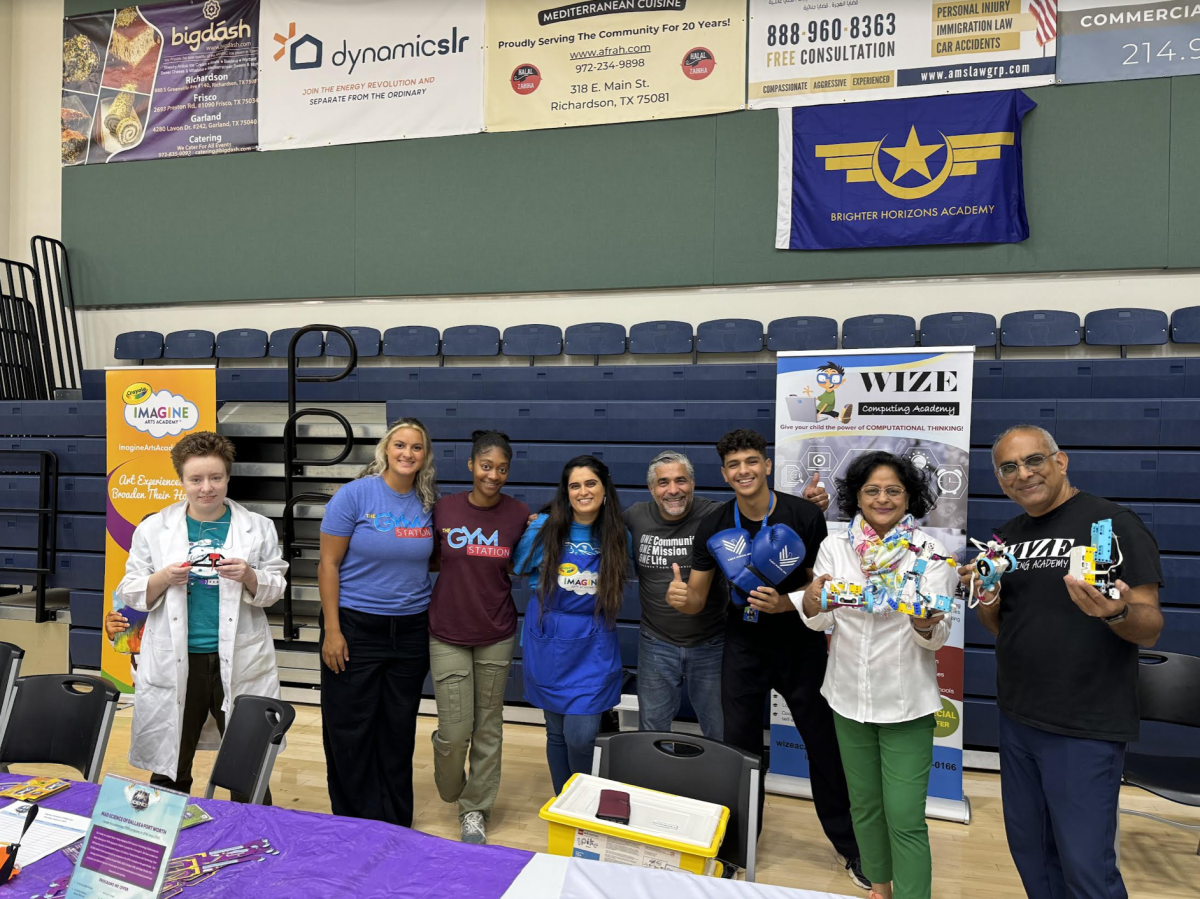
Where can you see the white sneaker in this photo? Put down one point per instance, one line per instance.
(472, 828)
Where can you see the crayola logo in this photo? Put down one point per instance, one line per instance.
(136, 393)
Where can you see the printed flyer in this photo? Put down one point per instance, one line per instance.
(1118, 40)
(831, 407)
(159, 82)
(612, 61)
(805, 53)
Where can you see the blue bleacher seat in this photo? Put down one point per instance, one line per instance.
(1175, 527)
(981, 723)
(1132, 378)
(729, 335)
(57, 418)
(243, 343)
(1180, 575)
(87, 608)
(1125, 327)
(959, 329)
(660, 338)
(1185, 325)
(85, 646)
(1179, 475)
(979, 672)
(532, 340)
(1109, 422)
(1180, 423)
(990, 417)
(471, 340)
(1037, 378)
(366, 341)
(189, 345)
(879, 331)
(92, 382)
(309, 347)
(412, 340)
(138, 345)
(804, 332)
(595, 339)
(988, 383)
(1039, 328)
(75, 571)
(75, 455)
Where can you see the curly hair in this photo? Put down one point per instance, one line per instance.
(202, 443)
(741, 439)
(915, 481)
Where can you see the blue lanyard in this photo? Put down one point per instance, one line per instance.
(737, 518)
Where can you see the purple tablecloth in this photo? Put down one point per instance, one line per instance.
(319, 855)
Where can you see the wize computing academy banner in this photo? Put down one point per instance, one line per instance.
(156, 82)
(933, 170)
(831, 407)
(1116, 40)
(552, 66)
(366, 70)
(805, 53)
(149, 410)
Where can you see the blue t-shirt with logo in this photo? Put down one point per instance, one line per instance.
(205, 542)
(386, 567)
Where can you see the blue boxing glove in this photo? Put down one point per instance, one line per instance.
(777, 551)
(731, 549)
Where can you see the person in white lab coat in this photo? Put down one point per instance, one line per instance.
(205, 568)
(881, 681)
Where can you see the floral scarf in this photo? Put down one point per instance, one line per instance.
(880, 559)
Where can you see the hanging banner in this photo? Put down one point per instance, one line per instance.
(366, 70)
(148, 410)
(911, 403)
(612, 61)
(1118, 40)
(156, 82)
(803, 54)
(935, 170)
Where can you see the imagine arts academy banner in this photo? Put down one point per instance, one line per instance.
(149, 410)
(803, 54)
(158, 82)
(830, 407)
(1118, 40)
(367, 70)
(612, 61)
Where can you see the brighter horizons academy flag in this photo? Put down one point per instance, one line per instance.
(890, 173)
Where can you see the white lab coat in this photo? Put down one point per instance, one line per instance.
(244, 642)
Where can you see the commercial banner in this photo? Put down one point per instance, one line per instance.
(832, 406)
(149, 410)
(156, 82)
(935, 170)
(803, 54)
(612, 61)
(365, 70)
(1118, 40)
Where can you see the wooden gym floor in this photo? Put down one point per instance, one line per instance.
(1159, 862)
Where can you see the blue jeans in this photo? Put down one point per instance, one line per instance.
(1060, 811)
(570, 740)
(663, 668)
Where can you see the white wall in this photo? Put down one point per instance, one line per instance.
(6, 135)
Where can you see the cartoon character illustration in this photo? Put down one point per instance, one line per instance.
(830, 377)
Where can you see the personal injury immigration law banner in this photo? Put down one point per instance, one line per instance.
(831, 407)
(149, 410)
(356, 71)
(554, 66)
(803, 54)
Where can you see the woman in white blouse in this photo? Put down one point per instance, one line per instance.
(882, 677)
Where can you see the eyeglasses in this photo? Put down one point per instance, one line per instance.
(892, 492)
(835, 378)
(1032, 464)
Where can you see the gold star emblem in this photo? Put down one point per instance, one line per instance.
(912, 156)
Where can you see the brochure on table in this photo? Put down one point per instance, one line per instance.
(129, 841)
(51, 831)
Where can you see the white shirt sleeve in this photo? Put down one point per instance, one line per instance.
(822, 621)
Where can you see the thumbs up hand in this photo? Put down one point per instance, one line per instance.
(677, 591)
(815, 493)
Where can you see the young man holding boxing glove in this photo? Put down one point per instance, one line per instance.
(767, 646)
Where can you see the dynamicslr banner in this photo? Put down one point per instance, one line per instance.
(156, 82)
(554, 66)
(813, 53)
(936, 170)
(366, 70)
(831, 407)
(149, 410)
(1117, 40)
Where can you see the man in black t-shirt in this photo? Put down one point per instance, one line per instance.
(773, 649)
(1066, 671)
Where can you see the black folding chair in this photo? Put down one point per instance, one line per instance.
(253, 737)
(10, 669)
(60, 719)
(696, 768)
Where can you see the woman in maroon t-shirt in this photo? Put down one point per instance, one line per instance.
(472, 623)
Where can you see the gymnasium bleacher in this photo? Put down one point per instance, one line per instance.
(1130, 425)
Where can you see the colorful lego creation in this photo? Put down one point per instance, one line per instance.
(1095, 564)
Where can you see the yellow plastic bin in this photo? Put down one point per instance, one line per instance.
(664, 831)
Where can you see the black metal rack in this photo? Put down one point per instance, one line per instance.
(47, 532)
(292, 463)
(57, 311)
(24, 351)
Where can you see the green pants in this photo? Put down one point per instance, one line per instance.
(468, 684)
(887, 770)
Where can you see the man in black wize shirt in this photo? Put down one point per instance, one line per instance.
(773, 649)
(1066, 671)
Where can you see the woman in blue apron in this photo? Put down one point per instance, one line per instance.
(571, 658)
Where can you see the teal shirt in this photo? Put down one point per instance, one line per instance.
(205, 540)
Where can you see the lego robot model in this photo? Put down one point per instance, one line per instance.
(912, 600)
(1095, 564)
(992, 563)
